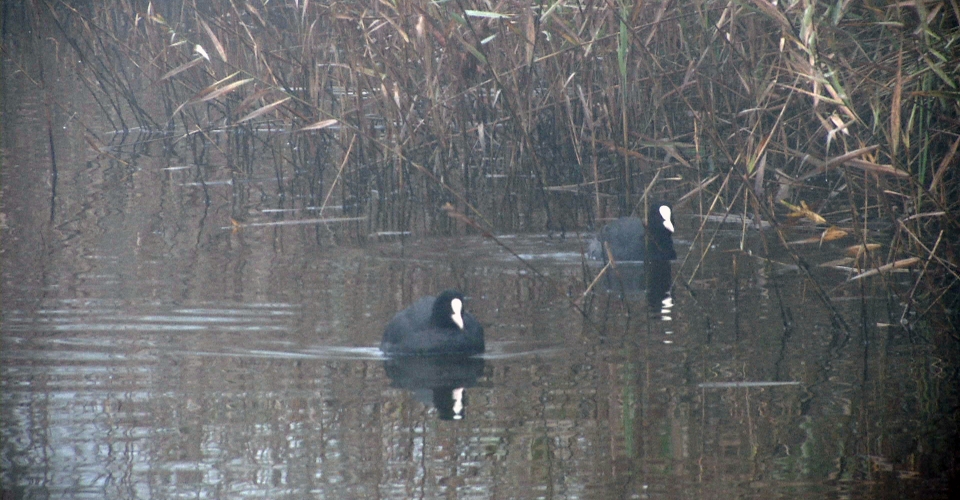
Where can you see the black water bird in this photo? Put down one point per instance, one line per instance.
(628, 240)
(433, 326)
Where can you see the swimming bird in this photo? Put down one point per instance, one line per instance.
(434, 325)
(628, 240)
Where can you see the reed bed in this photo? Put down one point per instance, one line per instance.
(556, 116)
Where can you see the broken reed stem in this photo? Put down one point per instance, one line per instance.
(909, 302)
(346, 157)
(596, 280)
(703, 222)
(947, 266)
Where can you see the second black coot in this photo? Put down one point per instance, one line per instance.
(432, 326)
(627, 239)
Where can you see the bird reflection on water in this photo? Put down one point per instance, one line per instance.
(439, 381)
(659, 277)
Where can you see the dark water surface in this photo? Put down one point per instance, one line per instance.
(150, 349)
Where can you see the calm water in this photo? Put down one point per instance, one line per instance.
(150, 349)
(147, 353)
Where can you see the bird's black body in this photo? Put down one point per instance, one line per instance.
(428, 328)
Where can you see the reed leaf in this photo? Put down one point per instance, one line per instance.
(213, 39)
(226, 89)
(262, 111)
(180, 69)
(319, 125)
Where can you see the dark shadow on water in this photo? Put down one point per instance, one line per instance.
(439, 381)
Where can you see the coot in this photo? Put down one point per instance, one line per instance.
(625, 238)
(434, 325)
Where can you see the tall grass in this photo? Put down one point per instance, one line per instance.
(556, 115)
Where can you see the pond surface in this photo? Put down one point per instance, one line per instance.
(157, 344)
(145, 358)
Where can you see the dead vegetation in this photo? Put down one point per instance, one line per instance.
(552, 116)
